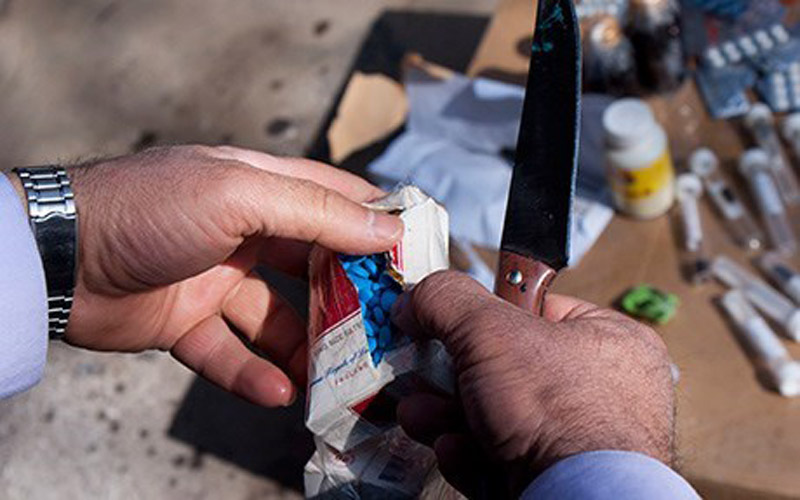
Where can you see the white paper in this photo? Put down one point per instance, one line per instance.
(456, 134)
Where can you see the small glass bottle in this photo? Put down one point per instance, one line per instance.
(638, 158)
(655, 31)
(609, 64)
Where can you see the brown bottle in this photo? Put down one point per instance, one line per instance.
(655, 31)
(609, 65)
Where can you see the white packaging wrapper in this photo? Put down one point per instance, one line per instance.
(356, 376)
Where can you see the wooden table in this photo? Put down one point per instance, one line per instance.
(736, 439)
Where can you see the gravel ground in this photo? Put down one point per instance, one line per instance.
(88, 78)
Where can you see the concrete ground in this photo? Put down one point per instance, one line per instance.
(86, 78)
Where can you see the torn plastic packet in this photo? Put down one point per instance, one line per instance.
(359, 365)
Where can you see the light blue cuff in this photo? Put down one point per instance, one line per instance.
(609, 475)
(23, 298)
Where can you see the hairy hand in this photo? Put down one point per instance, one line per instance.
(534, 390)
(168, 239)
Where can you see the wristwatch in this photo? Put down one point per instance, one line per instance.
(54, 221)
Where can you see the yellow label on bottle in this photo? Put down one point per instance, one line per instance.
(644, 182)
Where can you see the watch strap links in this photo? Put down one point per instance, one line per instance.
(53, 218)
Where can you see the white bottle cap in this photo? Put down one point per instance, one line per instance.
(627, 121)
(703, 162)
(791, 127)
(787, 379)
(759, 113)
(688, 186)
(753, 159)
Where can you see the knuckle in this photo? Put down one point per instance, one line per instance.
(440, 287)
(449, 299)
(225, 150)
(191, 150)
(642, 345)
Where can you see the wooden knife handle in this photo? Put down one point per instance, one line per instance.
(523, 281)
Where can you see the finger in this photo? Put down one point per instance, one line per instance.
(273, 205)
(561, 308)
(442, 304)
(213, 351)
(288, 256)
(461, 463)
(344, 182)
(425, 417)
(268, 321)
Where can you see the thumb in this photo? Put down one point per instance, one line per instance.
(449, 306)
(275, 205)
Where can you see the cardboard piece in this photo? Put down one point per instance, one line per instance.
(371, 108)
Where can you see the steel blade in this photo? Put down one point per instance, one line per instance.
(539, 212)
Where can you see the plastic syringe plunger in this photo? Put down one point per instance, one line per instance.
(689, 188)
(703, 163)
(766, 299)
(772, 358)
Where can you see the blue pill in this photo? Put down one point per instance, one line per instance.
(373, 344)
(371, 266)
(369, 327)
(384, 337)
(379, 315)
(358, 272)
(360, 282)
(365, 295)
(388, 299)
(376, 287)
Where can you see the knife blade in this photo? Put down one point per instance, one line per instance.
(535, 244)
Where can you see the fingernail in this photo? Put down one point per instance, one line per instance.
(292, 397)
(384, 226)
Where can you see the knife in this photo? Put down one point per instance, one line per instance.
(535, 243)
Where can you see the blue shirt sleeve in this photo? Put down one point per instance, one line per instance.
(609, 475)
(23, 298)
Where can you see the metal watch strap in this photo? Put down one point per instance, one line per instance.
(53, 217)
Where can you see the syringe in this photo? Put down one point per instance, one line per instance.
(738, 220)
(771, 357)
(754, 166)
(781, 274)
(791, 132)
(762, 125)
(688, 189)
(768, 300)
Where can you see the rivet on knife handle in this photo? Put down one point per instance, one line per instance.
(523, 281)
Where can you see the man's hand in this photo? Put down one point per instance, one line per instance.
(534, 390)
(168, 239)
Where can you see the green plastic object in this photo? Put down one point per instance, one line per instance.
(650, 304)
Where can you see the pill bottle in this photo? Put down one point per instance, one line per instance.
(639, 163)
